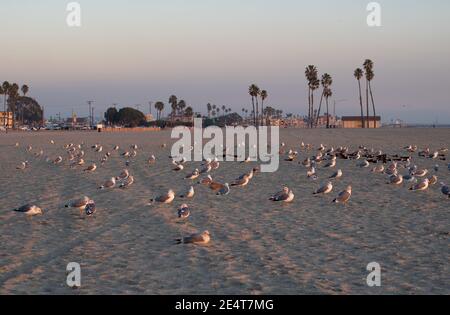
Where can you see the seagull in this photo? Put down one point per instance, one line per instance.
(110, 183)
(331, 164)
(241, 182)
(58, 160)
(364, 164)
(395, 179)
(326, 189)
(152, 160)
(378, 169)
(194, 175)
(445, 190)
(224, 191)
(178, 168)
(433, 180)
(166, 199)
(311, 172)
(216, 186)
(127, 182)
(423, 185)
(199, 238)
(206, 181)
(189, 194)
(91, 168)
(29, 210)
(286, 195)
(123, 175)
(421, 173)
(184, 212)
(344, 196)
(79, 203)
(22, 165)
(116, 148)
(337, 175)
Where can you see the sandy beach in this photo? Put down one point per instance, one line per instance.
(310, 246)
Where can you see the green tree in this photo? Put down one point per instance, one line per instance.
(111, 116)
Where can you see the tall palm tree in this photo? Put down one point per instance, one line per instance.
(359, 74)
(313, 83)
(254, 92)
(327, 80)
(5, 87)
(327, 94)
(368, 65)
(13, 95)
(159, 107)
(173, 101)
(264, 96)
(224, 110)
(370, 76)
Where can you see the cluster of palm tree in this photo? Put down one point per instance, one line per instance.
(369, 76)
(214, 110)
(178, 108)
(312, 77)
(11, 94)
(255, 92)
(159, 106)
(270, 112)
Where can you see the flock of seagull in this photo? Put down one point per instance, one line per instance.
(399, 169)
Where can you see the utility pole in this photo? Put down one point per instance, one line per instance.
(150, 107)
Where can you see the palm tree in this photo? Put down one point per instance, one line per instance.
(327, 93)
(327, 80)
(173, 101)
(181, 106)
(264, 96)
(313, 84)
(368, 65)
(224, 110)
(159, 107)
(370, 76)
(5, 89)
(209, 108)
(13, 94)
(254, 92)
(359, 74)
(25, 89)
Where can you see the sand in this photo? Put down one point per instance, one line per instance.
(258, 247)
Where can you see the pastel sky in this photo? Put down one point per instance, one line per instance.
(133, 52)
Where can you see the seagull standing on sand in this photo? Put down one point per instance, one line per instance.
(241, 182)
(344, 196)
(189, 194)
(123, 175)
(165, 199)
(91, 168)
(127, 182)
(423, 185)
(395, 179)
(199, 238)
(326, 189)
(184, 212)
(22, 165)
(110, 183)
(29, 210)
(58, 160)
(194, 175)
(286, 195)
(80, 203)
(337, 175)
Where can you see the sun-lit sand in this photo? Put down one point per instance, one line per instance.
(309, 246)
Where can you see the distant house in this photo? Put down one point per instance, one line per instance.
(77, 123)
(354, 122)
(6, 119)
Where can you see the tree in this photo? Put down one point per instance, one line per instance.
(253, 90)
(189, 111)
(264, 96)
(25, 89)
(159, 107)
(181, 106)
(173, 101)
(13, 95)
(368, 65)
(359, 74)
(209, 108)
(5, 89)
(326, 83)
(130, 117)
(313, 84)
(111, 116)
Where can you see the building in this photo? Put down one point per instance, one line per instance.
(6, 119)
(354, 122)
(77, 123)
(149, 118)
